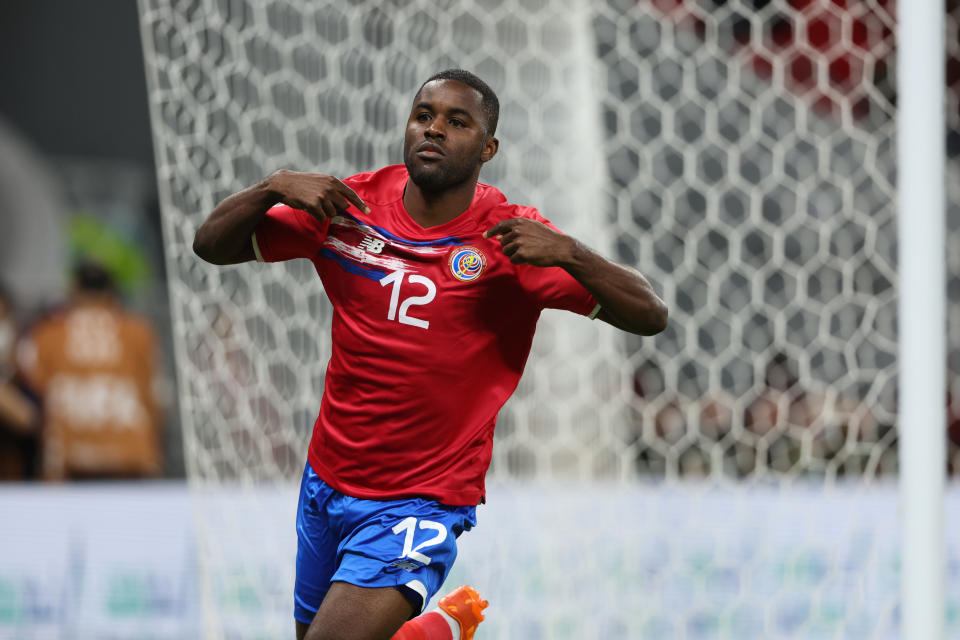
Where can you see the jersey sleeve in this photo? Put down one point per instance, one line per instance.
(286, 233)
(553, 287)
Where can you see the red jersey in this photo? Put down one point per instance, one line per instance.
(431, 330)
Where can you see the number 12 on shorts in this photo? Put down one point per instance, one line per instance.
(408, 526)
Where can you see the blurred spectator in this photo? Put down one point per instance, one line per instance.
(790, 425)
(92, 364)
(17, 413)
(801, 430)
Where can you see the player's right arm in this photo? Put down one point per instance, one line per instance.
(224, 237)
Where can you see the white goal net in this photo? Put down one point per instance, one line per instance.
(726, 479)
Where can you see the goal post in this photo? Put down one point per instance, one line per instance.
(923, 346)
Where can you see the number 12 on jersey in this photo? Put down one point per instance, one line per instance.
(395, 278)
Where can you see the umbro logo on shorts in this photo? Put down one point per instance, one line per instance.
(406, 565)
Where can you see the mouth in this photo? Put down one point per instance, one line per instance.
(429, 151)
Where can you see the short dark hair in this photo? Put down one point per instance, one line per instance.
(90, 275)
(490, 103)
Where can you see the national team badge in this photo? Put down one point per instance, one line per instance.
(467, 263)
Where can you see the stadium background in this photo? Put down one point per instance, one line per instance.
(751, 231)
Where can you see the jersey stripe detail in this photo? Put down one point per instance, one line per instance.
(350, 223)
(596, 310)
(350, 266)
(359, 255)
(449, 241)
(256, 247)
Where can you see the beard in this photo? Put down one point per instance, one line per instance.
(439, 176)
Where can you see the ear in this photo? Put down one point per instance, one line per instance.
(489, 149)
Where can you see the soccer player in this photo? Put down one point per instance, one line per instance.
(436, 282)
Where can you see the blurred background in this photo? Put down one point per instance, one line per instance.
(732, 477)
(78, 177)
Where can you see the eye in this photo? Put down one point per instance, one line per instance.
(458, 123)
(423, 116)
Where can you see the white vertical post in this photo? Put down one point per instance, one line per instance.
(922, 332)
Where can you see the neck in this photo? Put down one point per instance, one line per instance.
(430, 209)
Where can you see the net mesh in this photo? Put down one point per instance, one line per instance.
(739, 153)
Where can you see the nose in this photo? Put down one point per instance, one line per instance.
(434, 130)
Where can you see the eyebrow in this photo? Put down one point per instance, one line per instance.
(454, 110)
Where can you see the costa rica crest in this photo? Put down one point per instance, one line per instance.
(467, 263)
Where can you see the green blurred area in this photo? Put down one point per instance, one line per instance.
(90, 238)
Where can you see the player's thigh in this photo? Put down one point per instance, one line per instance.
(349, 612)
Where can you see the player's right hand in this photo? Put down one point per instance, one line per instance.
(319, 194)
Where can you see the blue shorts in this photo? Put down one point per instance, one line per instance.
(408, 544)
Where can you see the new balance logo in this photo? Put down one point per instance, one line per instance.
(372, 245)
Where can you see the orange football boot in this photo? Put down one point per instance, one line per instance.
(465, 606)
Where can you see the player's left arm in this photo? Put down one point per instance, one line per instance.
(626, 298)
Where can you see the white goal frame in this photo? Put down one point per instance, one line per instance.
(922, 313)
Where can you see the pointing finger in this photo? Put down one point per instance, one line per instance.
(352, 196)
(501, 227)
(339, 201)
(508, 236)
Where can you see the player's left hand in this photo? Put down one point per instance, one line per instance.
(527, 241)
